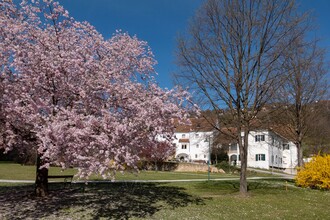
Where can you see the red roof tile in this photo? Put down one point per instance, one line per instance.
(184, 140)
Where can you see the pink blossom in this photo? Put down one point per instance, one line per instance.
(79, 99)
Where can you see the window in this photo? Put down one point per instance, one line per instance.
(286, 146)
(196, 135)
(197, 145)
(233, 147)
(184, 146)
(204, 155)
(196, 155)
(260, 157)
(183, 135)
(260, 137)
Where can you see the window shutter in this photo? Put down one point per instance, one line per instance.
(256, 157)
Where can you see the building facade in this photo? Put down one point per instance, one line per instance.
(193, 146)
(193, 142)
(267, 150)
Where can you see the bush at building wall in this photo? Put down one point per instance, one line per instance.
(225, 166)
(157, 165)
(315, 174)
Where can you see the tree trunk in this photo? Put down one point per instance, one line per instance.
(41, 184)
(156, 166)
(243, 154)
(300, 154)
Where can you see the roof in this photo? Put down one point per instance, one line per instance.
(195, 125)
(226, 136)
(184, 140)
(284, 131)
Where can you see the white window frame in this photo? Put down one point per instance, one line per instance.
(259, 138)
(260, 157)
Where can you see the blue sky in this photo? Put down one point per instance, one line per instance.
(159, 21)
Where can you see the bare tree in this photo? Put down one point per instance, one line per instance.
(231, 58)
(304, 87)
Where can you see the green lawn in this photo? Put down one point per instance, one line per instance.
(268, 199)
(14, 171)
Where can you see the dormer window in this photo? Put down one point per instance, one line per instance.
(183, 135)
(259, 138)
(286, 146)
(196, 135)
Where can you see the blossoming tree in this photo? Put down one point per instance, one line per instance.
(77, 98)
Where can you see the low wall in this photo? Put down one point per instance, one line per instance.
(162, 166)
(191, 167)
(177, 166)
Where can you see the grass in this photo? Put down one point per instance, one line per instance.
(267, 199)
(12, 171)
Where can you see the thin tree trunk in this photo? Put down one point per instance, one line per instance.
(300, 154)
(243, 154)
(41, 184)
(156, 166)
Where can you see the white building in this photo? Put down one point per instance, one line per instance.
(193, 142)
(267, 150)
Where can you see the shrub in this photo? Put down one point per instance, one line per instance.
(315, 174)
(160, 165)
(225, 166)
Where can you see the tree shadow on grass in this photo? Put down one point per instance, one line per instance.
(232, 187)
(93, 201)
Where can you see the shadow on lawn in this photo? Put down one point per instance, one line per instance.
(94, 201)
(274, 186)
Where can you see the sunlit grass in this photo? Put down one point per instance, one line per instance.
(12, 171)
(267, 199)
